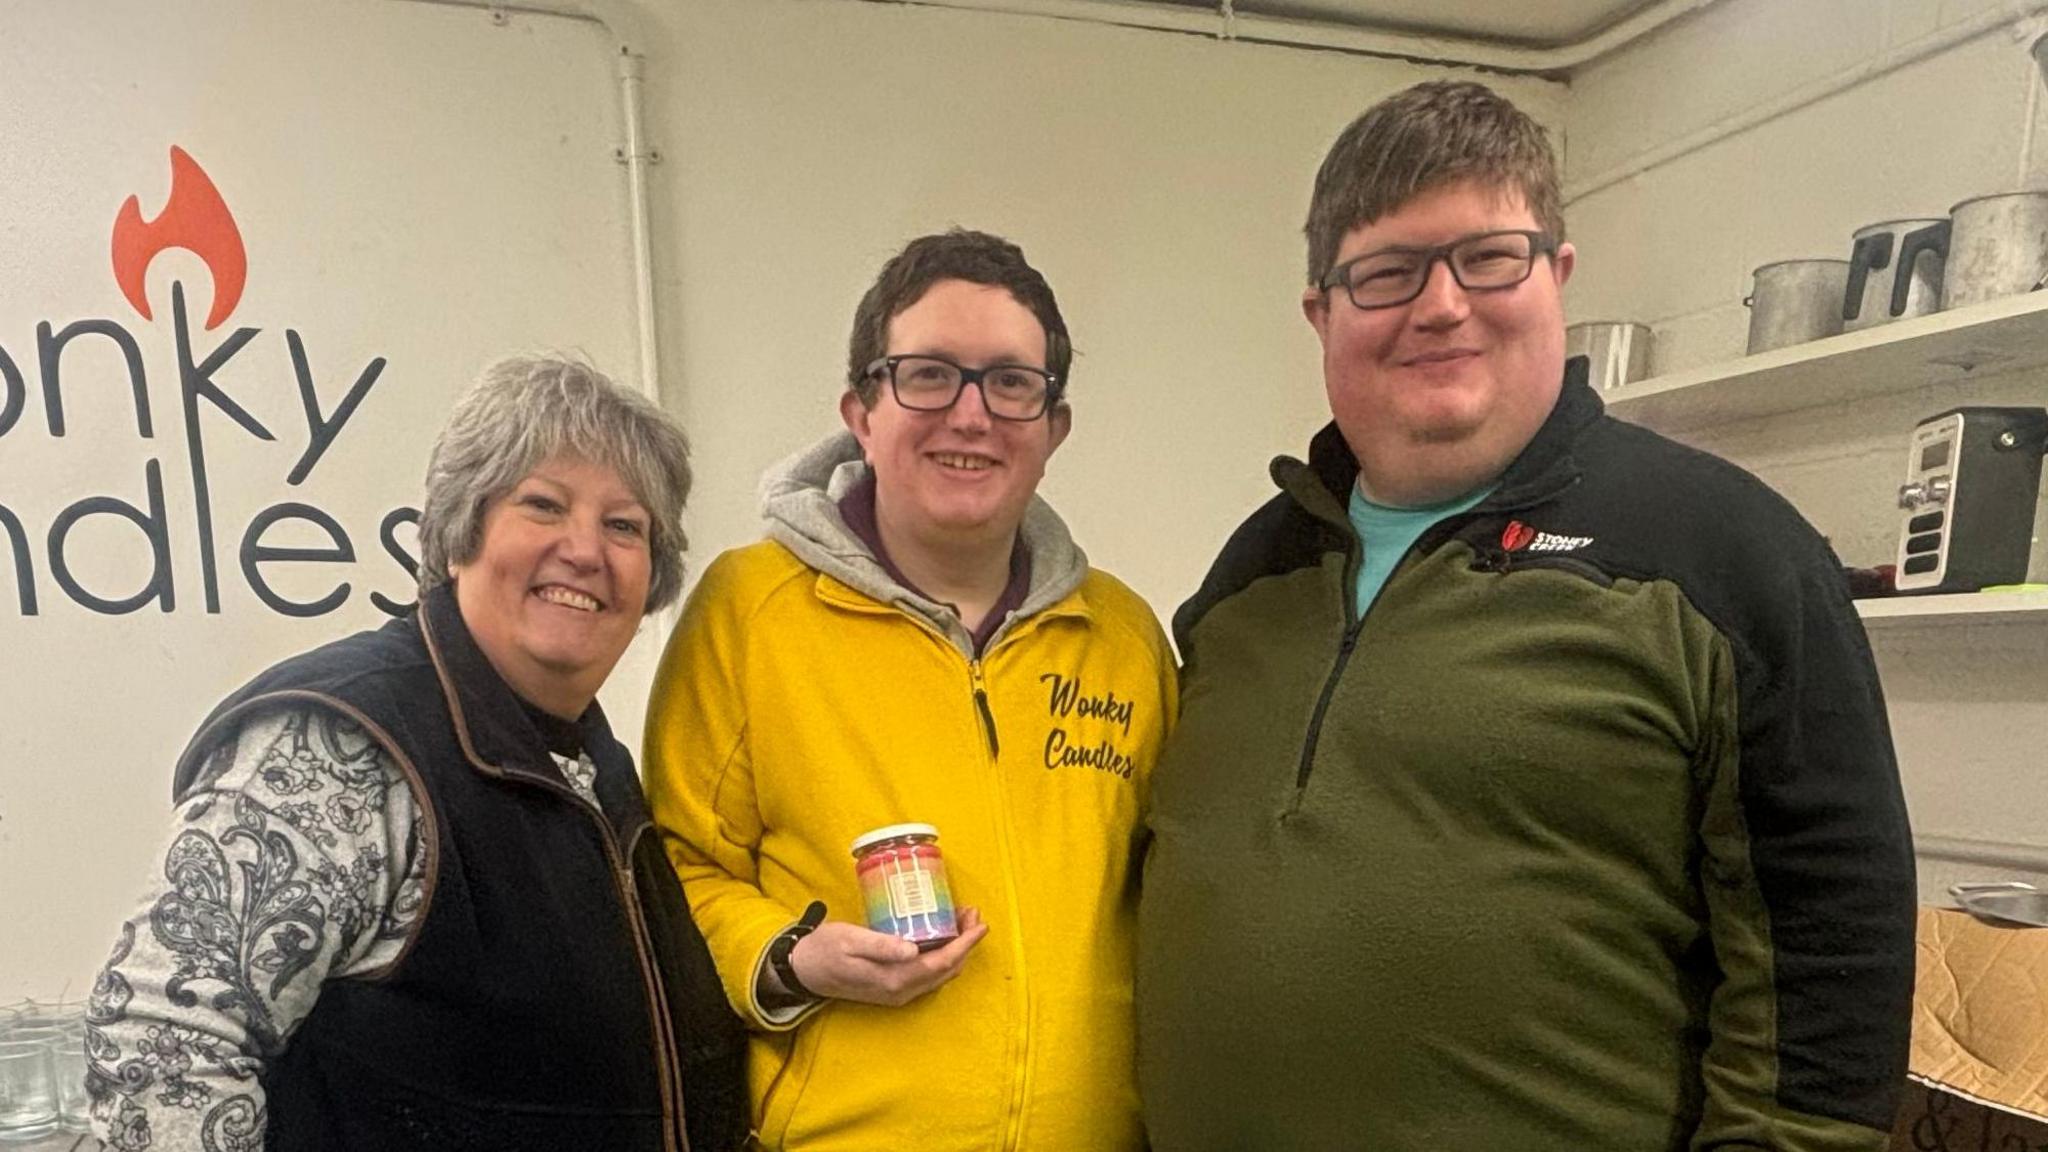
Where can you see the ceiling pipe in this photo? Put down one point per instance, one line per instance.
(1229, 23)
(2013, 14)
(622, 24)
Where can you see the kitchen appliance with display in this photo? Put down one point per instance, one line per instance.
(1967, 506)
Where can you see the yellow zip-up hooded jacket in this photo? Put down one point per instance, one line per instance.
(804, 699)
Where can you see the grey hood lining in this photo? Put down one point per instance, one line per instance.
(800, 501)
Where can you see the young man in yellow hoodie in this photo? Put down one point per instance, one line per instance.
(920, 640)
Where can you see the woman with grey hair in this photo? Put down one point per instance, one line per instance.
(413, 899)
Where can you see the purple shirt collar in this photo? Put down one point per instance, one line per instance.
(857, 508)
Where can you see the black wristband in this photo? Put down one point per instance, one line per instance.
(785, 943)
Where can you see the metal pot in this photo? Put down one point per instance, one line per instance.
(1620, 352)
(1882, 288)
(1997, 246)
(1795, 301)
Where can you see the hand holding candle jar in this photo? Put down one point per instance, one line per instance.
(903, 884)
(913, 942)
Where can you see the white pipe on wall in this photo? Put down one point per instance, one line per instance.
(1227, 23)
(1990, 20)
(629, 53)
(636, 156)
(622, 23)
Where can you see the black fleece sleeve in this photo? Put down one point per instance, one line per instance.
(1809, 875)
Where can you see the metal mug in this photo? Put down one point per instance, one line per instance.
(1997, 246)
(1794, 301)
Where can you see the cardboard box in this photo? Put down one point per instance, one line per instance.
(1980, 1038)
(1931, 1120)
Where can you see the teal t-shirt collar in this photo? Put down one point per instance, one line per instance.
(1385, 534)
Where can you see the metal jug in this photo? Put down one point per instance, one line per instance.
(1882, 288)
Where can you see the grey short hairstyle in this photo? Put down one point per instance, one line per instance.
(522, 411)
(1429, 135)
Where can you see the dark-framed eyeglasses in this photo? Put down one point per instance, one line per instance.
(1484, 262)
(934, 384)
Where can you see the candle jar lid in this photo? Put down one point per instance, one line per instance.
(892, 832)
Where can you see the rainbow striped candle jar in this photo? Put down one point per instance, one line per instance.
(903, 883)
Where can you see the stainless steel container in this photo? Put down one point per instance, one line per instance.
(1795, 301)
(1620, 352)
(1895, 270)
(1997, 246)
(2003, 902)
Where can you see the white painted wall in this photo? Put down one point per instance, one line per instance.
(406, 187)
(427, 185)
(1674, 248)
(1158, 180)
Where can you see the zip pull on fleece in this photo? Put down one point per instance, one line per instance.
(988, 717)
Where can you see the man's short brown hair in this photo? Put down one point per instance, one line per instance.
(1432, 134)
(958, 254)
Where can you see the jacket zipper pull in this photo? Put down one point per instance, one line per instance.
(988, 718)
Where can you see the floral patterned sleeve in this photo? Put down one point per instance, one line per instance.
(297, 860)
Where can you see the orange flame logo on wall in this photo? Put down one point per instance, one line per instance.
(196, 219)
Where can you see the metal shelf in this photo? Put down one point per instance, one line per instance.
(2004, 335)
(2001, 335)
(1960, 608)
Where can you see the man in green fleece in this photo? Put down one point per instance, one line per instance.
(1533, 788)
